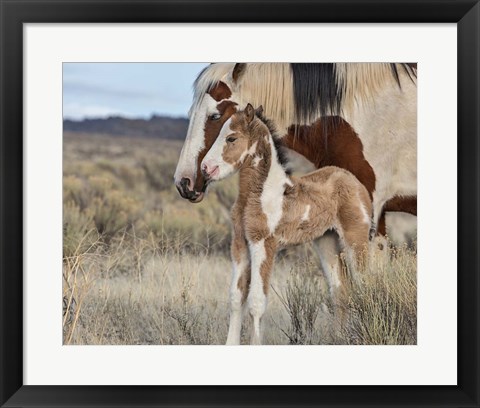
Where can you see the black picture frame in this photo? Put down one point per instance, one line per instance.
(14, 13)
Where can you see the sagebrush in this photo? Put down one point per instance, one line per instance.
(143, 266)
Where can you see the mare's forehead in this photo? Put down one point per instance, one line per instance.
(213, 99)
(220, 91)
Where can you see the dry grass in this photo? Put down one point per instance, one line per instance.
(383, 304)
(142, 266)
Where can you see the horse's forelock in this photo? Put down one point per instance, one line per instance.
(208, 78)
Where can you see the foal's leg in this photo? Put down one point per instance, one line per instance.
(262, 254)
(239, 286)
(353, 230)
(328, 250)
(378, 204)
(357, 247)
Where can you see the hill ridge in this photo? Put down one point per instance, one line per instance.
(162, 127)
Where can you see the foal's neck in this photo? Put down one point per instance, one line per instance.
(261, 166)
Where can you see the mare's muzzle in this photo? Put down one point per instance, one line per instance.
(191, 195)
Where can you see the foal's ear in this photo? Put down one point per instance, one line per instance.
(249, 113)
(259, 111)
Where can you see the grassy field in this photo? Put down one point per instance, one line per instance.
(143, 266)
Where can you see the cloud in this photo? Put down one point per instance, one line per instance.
(78, 111)
(102, 90)
(128, 89)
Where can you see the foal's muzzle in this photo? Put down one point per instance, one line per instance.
(209, 171)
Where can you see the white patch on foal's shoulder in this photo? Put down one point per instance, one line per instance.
(273, 189)
(306, 214)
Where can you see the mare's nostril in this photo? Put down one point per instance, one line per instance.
(185, 182)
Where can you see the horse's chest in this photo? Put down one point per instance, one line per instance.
(271, 201)
(273, 211)
(263, 217)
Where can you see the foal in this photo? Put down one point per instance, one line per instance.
(274, 209)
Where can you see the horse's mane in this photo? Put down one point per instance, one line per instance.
(261, 79)
(331, 89)
(277, 142)
(301, 93)
(269, 85)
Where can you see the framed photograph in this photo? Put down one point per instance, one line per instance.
(210, 203)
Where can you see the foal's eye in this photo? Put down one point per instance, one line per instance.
(215, 116)
(231, 139)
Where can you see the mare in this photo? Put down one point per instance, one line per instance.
(358, 116)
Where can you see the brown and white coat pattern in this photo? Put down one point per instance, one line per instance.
(372, 133)
(274, 209)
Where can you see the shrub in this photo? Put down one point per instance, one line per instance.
(383, 304)
(159, 172)
(79, 232)
(302, 298)
(114, 212)
(75, 190)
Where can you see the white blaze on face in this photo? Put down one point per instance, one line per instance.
(214, 156)
(195, 140)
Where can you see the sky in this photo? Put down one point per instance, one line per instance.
(134, 90)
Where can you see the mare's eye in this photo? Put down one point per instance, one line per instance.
(215, 116)
(231, 139)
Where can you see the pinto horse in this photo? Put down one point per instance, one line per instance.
(358, 116)
(274, 210)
